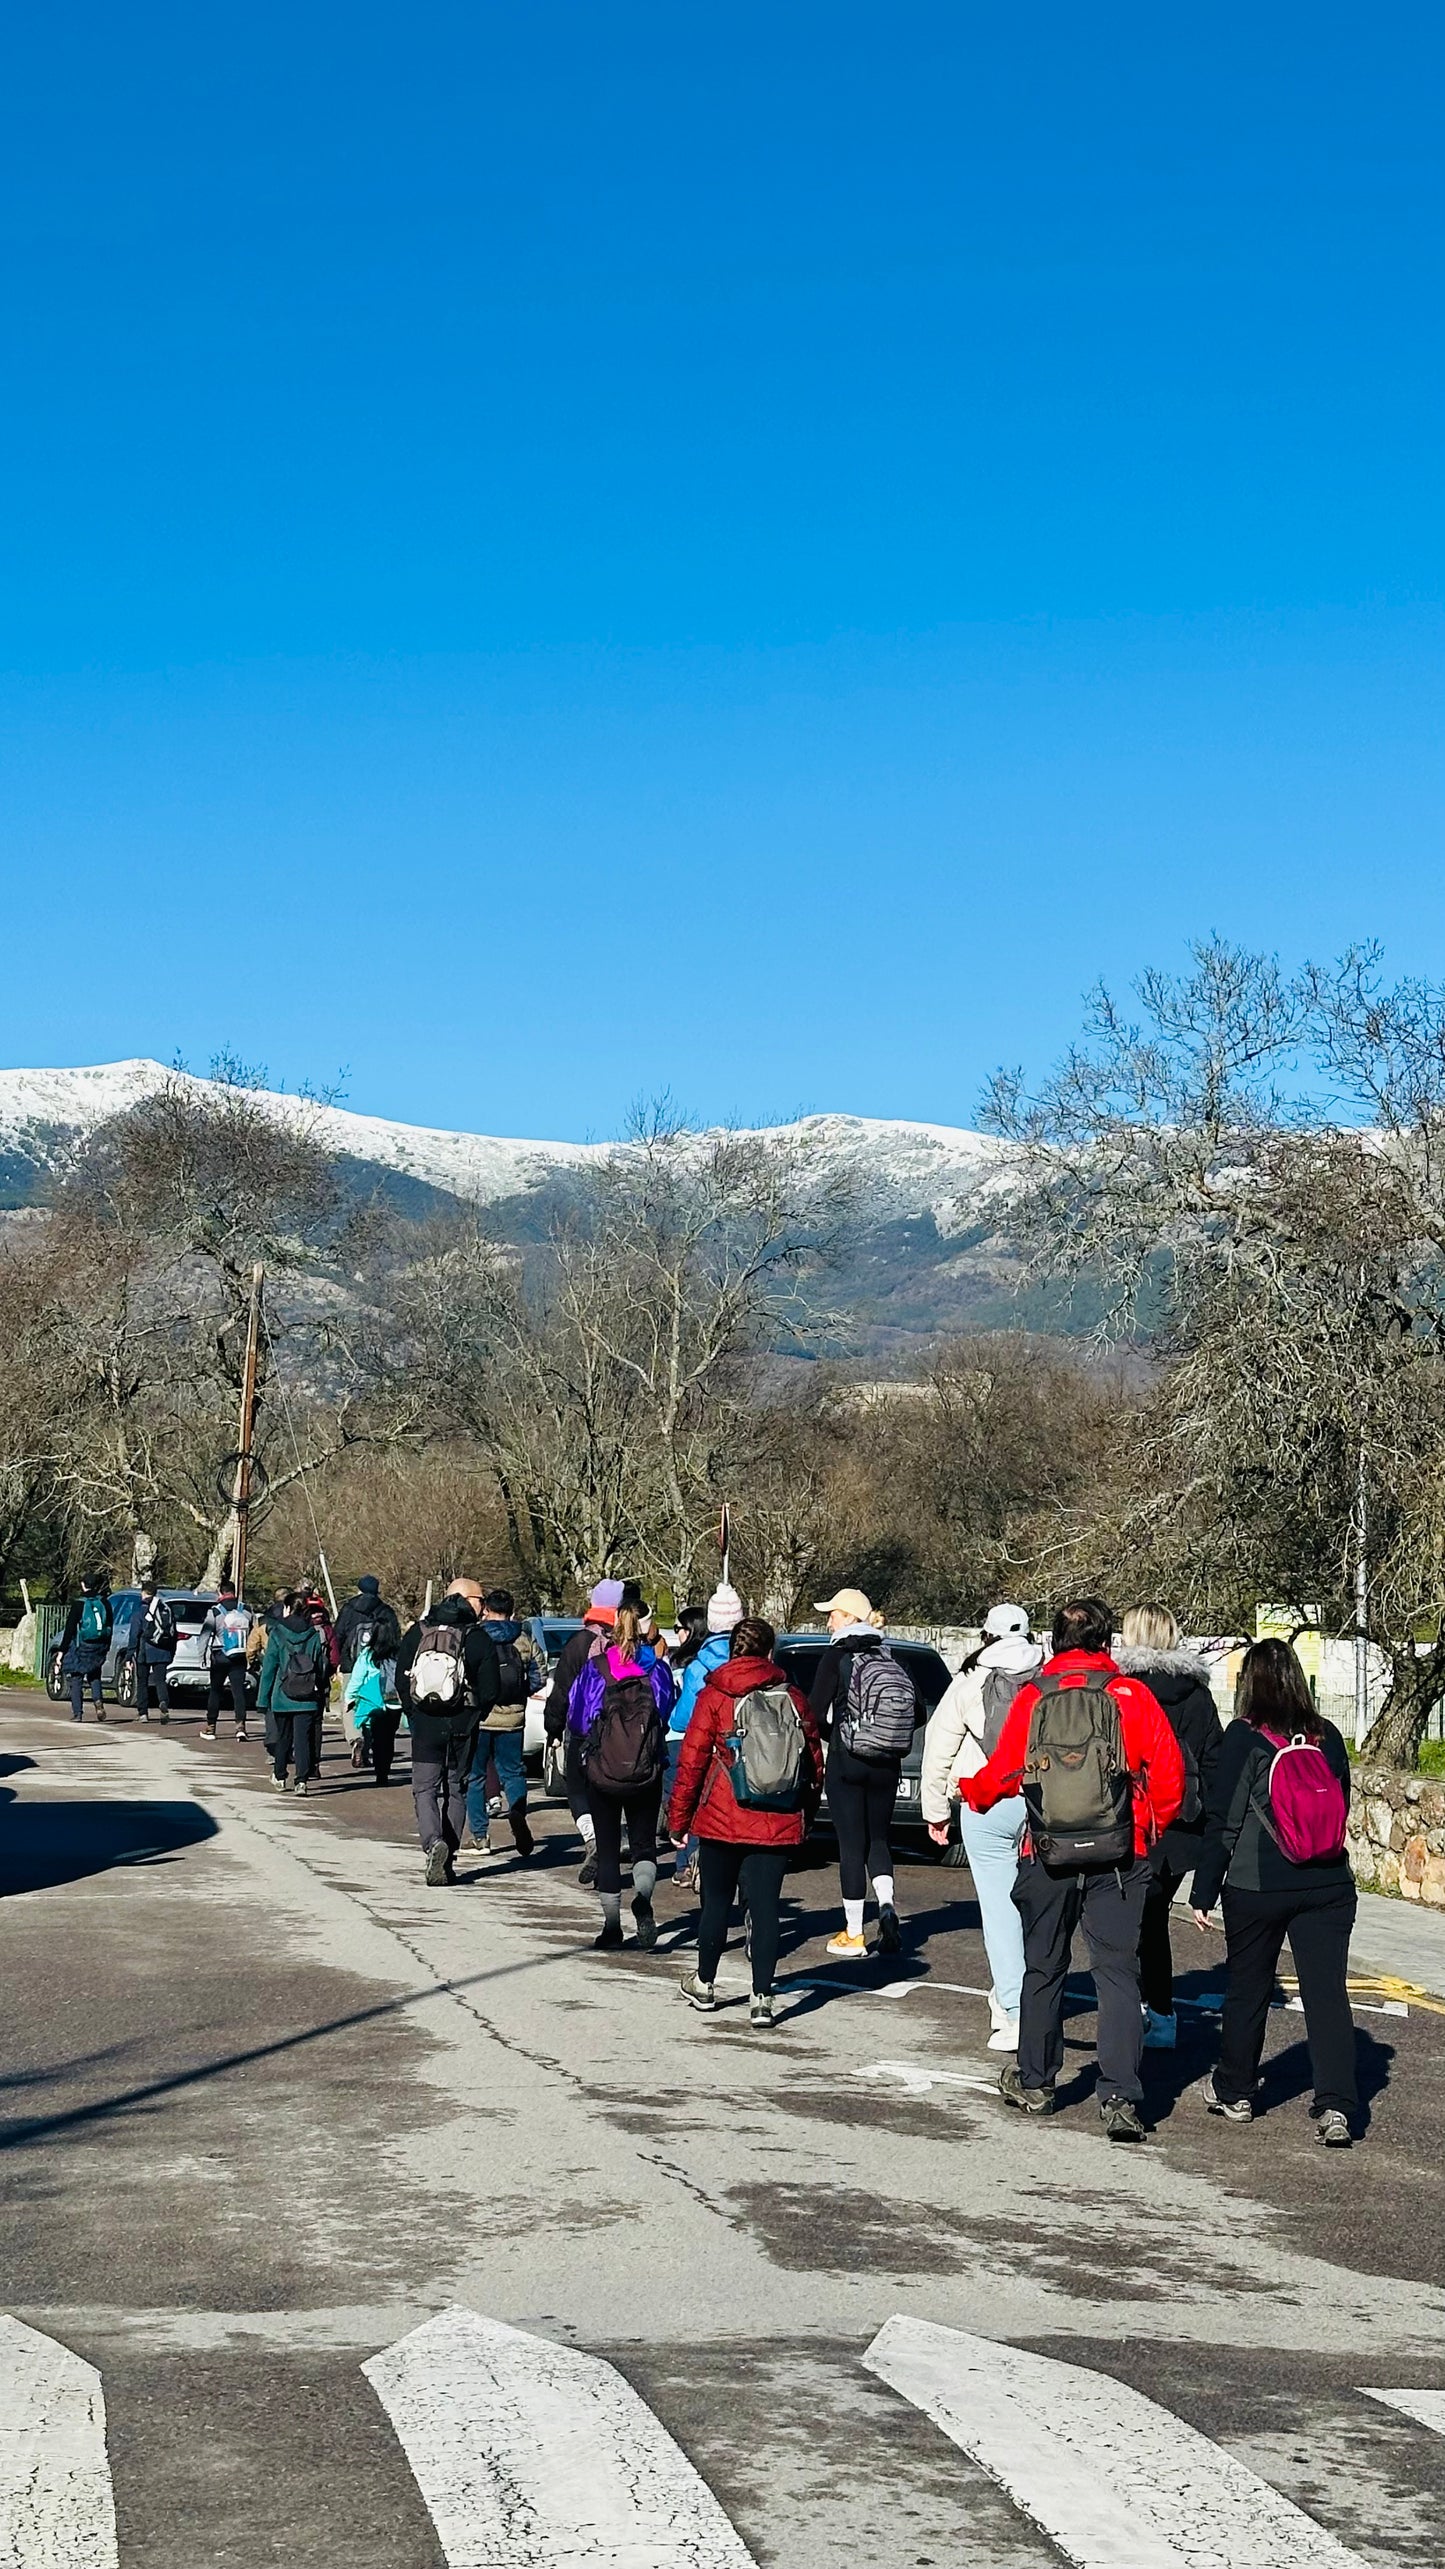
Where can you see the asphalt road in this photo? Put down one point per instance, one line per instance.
(270, 2106)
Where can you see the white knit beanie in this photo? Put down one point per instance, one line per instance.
(724, 1610)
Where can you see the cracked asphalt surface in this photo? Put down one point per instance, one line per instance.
(268, 2102)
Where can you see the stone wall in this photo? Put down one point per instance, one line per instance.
(1397, 1834)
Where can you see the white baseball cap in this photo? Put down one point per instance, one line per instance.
(1001, 1621)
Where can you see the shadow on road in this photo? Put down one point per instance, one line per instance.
(43, 1843)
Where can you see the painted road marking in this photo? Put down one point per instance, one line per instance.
(918, 2080)
(531, 2456)
(1114, 2480)
(1426, 2407)
(56, 2505)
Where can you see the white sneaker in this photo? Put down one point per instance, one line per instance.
(1005, 2035)
(1161, 2033)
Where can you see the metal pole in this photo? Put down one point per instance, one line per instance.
(1362, 1603)
(247, 1431)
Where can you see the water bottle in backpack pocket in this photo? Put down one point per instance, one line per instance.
(880, 1710)
(1077, 1788)
(1303, 1803)
(766, 1745)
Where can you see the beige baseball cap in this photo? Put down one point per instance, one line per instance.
(848, 1601)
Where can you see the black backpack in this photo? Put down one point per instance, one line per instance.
(511, 1673)
(1077, 1788)
(623, 1751)
(301, 1669)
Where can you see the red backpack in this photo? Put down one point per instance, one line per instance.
(1304, 1806)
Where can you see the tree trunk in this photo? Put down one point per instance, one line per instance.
(1417, 1684)
(218, 1559)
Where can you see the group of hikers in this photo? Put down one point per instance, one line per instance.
(1087, 1781)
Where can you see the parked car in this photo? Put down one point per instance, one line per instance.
(551, 1634)
(189, 1671)
(798, 1654)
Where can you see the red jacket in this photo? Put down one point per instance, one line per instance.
(702, 1797)
(1149, 1745)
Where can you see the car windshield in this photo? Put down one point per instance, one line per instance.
(555, 1636)
(189, 1609)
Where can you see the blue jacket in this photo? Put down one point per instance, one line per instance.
(717, 1647)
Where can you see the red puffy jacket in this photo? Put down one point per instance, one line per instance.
(702, 1797)
(1148, 1737)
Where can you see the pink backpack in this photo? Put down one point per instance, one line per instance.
(1304, 1808)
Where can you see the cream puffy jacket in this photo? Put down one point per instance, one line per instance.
(953, 1741)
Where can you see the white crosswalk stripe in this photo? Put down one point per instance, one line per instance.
(1115, 2481)
(530, 2456)
(1426, 2407)
(56, 2506)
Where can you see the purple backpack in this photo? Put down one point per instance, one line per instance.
(1304, 1808)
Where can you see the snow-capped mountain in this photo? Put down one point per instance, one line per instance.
(898, 1171)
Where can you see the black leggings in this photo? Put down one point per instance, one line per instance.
(861, 1798)
(1317, 1920)
(1156, 1956)
(760, 1870)
(230, 1671)
(640, 1811)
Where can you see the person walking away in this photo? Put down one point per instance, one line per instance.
(364, 1701)
(864, 1703)
(722, 1615)
(365, 1622)
(963, 1731)
(320, 1613)
(84, 1642)
(1274, 1857)
(749, 1779)
(1102, 1777)
(446, 1680)
(519, 1677)
(618, 1717)
(599, 1618)
(155, 1648)
(295, 1673)
(1177, 1679)
(226, 1629)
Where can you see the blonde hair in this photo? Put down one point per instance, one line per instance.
(626, 1632)
(1150, 1628)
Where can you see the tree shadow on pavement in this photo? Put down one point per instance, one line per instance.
(45, 1843)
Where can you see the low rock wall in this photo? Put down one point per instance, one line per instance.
(1397, 1834)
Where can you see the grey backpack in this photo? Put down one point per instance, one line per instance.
(766, 1741)
(880, 1712)
(1000, 1685)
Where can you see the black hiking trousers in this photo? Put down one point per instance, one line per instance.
(1109, 1905)
(1317, 1920)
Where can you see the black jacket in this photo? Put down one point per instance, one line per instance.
(829, 1692)
(355, 1615)
(1177, 1682)
(431, 1724)
(571, 1661)
(1237, 1845)
(90, 1650)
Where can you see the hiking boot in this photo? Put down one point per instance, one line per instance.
(203, 1733)
(163, 1717)
(1029, 2100)
(685, 1877)
(588, 1873)
(1161, 2032)
(760, 2015)
(846, 1948)
(1120, 2118)
(1239, 2110)
(698, 1993)
(890, 1935)
(100, 1712)
(1332, 2129)
(358, 1754)
(437, 1861)
(646, 1924)
(300, 1785)
(522, 1838)
(611, 1939)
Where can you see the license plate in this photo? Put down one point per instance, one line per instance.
(905, 1788)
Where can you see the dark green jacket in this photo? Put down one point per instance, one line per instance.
(293, 1637)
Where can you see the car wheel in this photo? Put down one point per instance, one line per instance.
(55, 1676)
(126, 1685)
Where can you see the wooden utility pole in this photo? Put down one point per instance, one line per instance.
(242, 1500)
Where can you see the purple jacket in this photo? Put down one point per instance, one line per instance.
(585, 1701)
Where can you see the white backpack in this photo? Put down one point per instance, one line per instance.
(437, 1673)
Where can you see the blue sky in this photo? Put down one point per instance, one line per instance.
(555, 552)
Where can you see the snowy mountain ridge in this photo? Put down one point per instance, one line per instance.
(899, 1170)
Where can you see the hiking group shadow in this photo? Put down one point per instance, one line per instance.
(43, 1844)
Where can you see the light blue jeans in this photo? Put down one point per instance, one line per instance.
(991, 1844)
